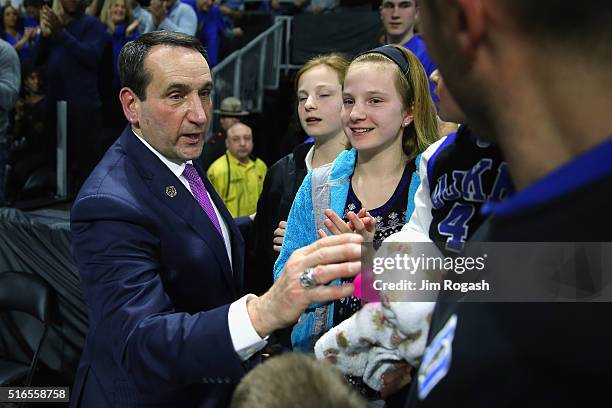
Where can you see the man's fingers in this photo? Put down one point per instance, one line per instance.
(331, 241)
(321, 233)
(278, 240)
(326, 273)
(279, 232)
(277, 248)
(328, 251)
(329, 293)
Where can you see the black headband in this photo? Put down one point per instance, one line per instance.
(395, 55)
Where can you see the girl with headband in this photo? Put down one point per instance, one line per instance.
(389, 119)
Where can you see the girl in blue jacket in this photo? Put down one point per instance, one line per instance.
(389, 119)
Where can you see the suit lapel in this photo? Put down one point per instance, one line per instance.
(164, 185)
(235, 236)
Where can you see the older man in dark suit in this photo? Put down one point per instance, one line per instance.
(160, 257)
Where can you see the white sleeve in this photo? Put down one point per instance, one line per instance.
(417, 228)
(245, 339)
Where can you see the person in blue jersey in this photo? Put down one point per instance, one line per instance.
(399, 19)
(459, 174)
(528, 75)
(389, 119)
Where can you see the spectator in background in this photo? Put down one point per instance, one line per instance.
(237, 176)
(145, 20)
(211, 26)
(232, 10)
(32, 14)
(399, 18)
(173, 15)
(10, 78)
(72, 45)
(317, 6)
(33, 146)
(16, 4)
(295, 379)
(230, 113)
(118, 17)
(13, 32)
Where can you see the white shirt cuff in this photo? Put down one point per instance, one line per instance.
(245, 339)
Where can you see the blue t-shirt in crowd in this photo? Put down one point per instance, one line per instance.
(417, 45)
(210, 30)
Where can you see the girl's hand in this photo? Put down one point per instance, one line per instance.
(361, 223)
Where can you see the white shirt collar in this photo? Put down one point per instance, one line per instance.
(308, 158)
(177, 169)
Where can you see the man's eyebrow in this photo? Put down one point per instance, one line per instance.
(207, 86)
(176, 86)
(179, 86)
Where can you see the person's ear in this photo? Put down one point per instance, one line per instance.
(471, 25)
(408, 118)
(130, 105)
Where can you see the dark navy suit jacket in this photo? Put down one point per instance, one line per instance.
(158, 284)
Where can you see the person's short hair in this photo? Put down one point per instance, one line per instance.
(132, 57)
(295, 380)
(337, 62)
(571, 22)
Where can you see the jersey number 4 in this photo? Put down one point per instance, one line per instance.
(455, 226)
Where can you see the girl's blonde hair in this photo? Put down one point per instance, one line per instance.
(414, 92)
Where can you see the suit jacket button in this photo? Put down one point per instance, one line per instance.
(205, 380)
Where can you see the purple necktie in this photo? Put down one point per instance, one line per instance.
(201, 195)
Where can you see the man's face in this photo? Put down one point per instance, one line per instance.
(174, 117)
(398, 17)
(239, 141)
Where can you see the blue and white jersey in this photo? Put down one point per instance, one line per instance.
(459, 174)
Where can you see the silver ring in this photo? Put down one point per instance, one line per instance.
(307, 279)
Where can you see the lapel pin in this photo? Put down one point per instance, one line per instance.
(171, 191)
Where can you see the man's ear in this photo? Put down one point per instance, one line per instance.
(471, 25)
(131, 105)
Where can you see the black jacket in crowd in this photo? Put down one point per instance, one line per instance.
(280, 186)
